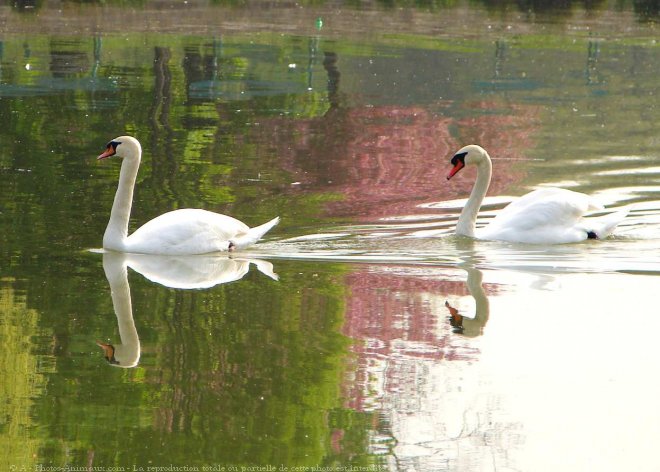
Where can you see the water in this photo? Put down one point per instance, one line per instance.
(361, 332)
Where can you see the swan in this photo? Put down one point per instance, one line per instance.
(195, 272)
(178, 232)
(126, 354)
(471, 327)
(180, 272)
(544, 216)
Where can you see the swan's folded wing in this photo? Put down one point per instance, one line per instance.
(186, 231)
(544, 209)
(188, 271)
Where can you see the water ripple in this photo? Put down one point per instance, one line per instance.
(421, 240)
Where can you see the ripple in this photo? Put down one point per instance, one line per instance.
(407, 240)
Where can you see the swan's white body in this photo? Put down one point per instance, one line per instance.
(544, 216)
(185, 272)
(178, 232)
(194, 272)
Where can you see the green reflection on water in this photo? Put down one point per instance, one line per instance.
(250, 372)
(245, 373)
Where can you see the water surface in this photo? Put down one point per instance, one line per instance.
(361, 331)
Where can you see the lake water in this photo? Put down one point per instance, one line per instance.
(360, 334)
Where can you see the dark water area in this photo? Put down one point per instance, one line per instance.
(360, 332)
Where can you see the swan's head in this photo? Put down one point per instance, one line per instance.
(120, 356)
(468, 155)
(123, 146)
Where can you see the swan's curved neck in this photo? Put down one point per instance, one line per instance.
(128, 353)
(467, 221)
(475, 326)
(116, 232)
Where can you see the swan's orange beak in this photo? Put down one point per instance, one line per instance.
(108, 351)
(458, 166)
(109, 152)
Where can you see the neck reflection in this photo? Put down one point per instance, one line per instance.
(179, 272)
(471, 326)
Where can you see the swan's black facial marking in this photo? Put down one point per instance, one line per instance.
(113, 145)
(592, 235)
(110, 149)
(458, 161)
(108, 352)
(458, 157)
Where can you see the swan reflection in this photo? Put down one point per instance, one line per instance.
(471, 327)
(182, 272)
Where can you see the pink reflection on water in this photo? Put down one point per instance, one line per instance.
(385, 161)
(397, 158)
(395, 320)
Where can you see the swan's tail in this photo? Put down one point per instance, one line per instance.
(254, 234)
(265, 268)
(603, 226)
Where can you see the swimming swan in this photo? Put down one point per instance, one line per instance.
(544, 216)
(178, 232)
(180, 272)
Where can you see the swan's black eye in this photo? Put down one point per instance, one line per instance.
(114, 145)
(458, 157)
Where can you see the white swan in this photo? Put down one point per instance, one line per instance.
(194, 272)
(472, 327)
(178, 232)
(126, 354)
(182, 272)
(544, 216)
